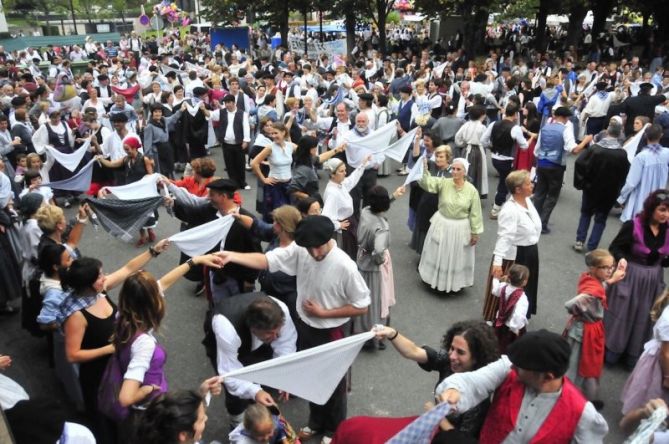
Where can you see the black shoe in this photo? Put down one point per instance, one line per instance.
(545, 230)
(369, 345)
(382, 345)
(199, 289)
(599, 405)
(9, 310)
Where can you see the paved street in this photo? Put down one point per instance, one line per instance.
(383, 382)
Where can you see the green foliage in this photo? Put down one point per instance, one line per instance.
(393, 18)
(222, 12)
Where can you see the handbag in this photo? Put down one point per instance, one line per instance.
(111, 383)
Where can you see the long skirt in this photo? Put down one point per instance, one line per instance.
(627, 321)
(645, 382)
(447, 261)
(347, 239)
(524, 159)
(274, 197)
(478, 168)
(528, 256)
(10, 272)
(382, 292)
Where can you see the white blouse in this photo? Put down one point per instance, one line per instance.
(516, 226)
(337, 200)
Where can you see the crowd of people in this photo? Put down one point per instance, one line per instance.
(145, 118)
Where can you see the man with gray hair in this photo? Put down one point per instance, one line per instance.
(600, 173)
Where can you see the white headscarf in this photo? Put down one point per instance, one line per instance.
(462, 161)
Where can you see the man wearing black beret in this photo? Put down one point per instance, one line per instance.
(533, 401)
(330, 290)
(198, 211)
(643, 104)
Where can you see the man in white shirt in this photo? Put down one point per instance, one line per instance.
(234, 133)
(336, 127)
(248, 328)
(355, 157)
(330, 290)
(597, 109)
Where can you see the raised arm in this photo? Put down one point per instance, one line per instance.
(116, 278)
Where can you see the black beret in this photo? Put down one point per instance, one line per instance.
(268, 76)
(118, 117)
(103, 77)
(171, 74)
(646, 85)
(229, 98)
(540, 351)
(366, 96)
(30, 203)
(562, 111)
(18, 101)
(223, 185)
(314, 231)
(601, 86)
(199, 91)
(406, 89)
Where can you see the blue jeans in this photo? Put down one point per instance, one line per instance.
(587, 212)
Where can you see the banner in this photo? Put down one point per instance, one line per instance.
(337, 47)
(311, 374)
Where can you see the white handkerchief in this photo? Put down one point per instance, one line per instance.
(145, 187)
(198, 240)
(72, 160)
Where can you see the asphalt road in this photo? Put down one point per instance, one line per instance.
(383, 383)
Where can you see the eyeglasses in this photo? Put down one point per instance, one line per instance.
(606, 267)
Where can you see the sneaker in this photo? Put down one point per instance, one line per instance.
(578, 246)
(247, 187)
(494, 212)
(403, 172)
(599, 405)
(306, 433)
(248, 167)
(326, 440)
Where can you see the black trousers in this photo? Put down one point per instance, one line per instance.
(234, 157)
(359, 193)
(503, 167)
(547, 191)
(324, 418)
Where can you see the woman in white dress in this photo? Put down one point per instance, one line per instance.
(468, 141)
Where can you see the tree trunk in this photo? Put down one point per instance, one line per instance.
(283, 26)
(600, 10)
(350, 24)
(540, 36)
(381, 22)
(473, 38)
(306, 48)
(577, 13)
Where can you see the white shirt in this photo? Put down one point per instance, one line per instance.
(518, 318)
(597, 107)
(343, 128)
(141, 353)
(567, 137)
(337, 200)
(516, 226)
(333, 282)
(228, 343)
(229, 137)
(516, 134)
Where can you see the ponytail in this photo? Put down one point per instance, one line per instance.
(659, 306)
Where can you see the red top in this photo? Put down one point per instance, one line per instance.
(558, 427)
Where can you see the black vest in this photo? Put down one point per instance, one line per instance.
(502, 142)
(241, 103)
(234, 309)
(237, 126)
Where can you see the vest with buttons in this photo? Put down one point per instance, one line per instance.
(558, 427)
(404, 115)
(500, 136)
(237, 126)
(552, 144)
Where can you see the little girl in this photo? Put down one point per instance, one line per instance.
(260, 426)
(650, 378)
(585, 329)
(511, 317)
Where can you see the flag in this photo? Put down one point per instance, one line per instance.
(311, 374)
(79, 182)
(198, 240)
(143, 188)
(633, 143)
(123, 218)
(71, 160)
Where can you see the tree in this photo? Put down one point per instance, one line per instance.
(378, 10)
